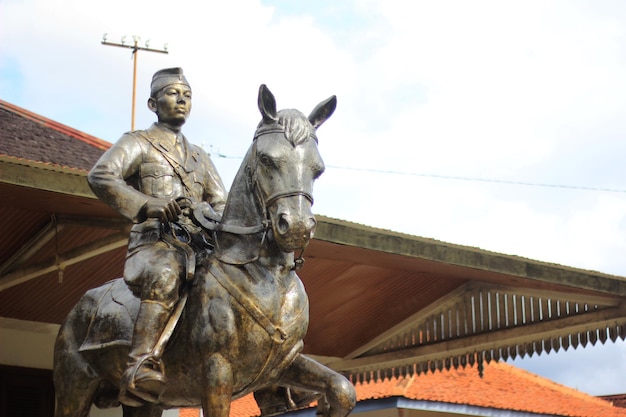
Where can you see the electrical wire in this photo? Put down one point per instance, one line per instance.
(457, 178)
(490, 180)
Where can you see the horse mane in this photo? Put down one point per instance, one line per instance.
(295, 125)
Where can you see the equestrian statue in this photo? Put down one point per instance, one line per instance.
(238, 315)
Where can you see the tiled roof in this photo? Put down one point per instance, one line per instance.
(189, 412)
(503, 387)
(35, 138)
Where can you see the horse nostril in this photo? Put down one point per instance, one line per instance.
(283, 224)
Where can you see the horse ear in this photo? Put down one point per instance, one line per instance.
(323, 111)
(267, 104)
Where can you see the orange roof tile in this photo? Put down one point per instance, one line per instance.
(189, 412)
(503, 387)
(507, 387)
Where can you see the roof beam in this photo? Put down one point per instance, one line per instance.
(71, 257)
(38, 241)
(437, 305)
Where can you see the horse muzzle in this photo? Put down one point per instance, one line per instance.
(293, 229)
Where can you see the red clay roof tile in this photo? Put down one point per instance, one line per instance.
(189, 412)
(503, 387)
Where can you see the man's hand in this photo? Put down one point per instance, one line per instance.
(208, 211)
(166, 210)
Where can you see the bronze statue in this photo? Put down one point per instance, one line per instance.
(245, 309)
(144, 176)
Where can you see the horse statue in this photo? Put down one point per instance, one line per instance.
(246, 312)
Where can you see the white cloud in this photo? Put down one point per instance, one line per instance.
(526, 91)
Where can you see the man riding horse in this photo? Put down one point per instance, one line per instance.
(143, 177)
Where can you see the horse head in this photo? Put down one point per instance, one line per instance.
(270, 200)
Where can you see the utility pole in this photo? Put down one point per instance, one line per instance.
(135, 48)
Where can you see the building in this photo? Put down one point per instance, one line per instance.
(504, 390)
(407, 305)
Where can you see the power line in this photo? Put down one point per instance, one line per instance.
(459, 178)
(490, 180)
(135, 48)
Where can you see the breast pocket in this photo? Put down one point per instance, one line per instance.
(157, 180)
(197, 186)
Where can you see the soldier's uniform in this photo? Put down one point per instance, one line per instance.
(143, 164)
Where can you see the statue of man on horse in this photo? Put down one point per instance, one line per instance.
(213, 274)
(144, 176)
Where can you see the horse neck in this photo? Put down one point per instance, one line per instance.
(242, 210)
(242, 206)
(275, 260)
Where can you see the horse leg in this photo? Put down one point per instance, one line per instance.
(305, 373)
(148, 410)
(75, 382)
(218, 387)
(74, 396)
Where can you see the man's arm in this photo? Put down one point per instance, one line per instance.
(215, 192)
(108, 179)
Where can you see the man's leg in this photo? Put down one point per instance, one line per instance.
(157, 268)
(143, 377)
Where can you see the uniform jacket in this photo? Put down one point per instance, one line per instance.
(146, 163)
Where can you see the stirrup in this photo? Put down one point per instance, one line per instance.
(136, 392)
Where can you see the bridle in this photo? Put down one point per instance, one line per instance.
(213, 224)
(265, 203)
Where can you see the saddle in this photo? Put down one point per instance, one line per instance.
(113, 322)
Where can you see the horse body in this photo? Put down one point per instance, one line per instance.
(247, 310)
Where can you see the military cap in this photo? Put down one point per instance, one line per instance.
(165, 77)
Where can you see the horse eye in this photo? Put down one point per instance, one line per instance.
(266, 160)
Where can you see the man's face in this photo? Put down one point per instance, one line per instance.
(172, 104)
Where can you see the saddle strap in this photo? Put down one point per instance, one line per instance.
(185, 250)
(277, 334)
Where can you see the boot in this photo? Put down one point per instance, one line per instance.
(144, 379)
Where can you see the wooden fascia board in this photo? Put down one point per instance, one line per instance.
(43, 176)
(345, 233)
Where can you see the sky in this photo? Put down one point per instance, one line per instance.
(492, 124)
